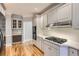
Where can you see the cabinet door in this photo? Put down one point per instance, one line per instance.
(19, 24)
(54, 50)
(75, 17)
(39, 42)
(46, 50)
(39, 23)
(44, 21)
(73, 52)
(14, 23)
(64, 12)
(52, 16)
(51, 49)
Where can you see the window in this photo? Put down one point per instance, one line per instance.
(19, 24)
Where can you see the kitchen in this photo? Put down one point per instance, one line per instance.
(53, 30)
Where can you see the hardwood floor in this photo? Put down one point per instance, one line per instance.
(19, 49)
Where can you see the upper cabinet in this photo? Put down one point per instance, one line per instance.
(52, 16)
(61, 15)
(44, 20)
(62, 12)
(75, 15)
(16, 22)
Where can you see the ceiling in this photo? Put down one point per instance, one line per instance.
(26, 9)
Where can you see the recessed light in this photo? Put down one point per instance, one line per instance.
(36, 9)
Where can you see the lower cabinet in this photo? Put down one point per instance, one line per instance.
(51, 49)
(73, 52)
(40, 43)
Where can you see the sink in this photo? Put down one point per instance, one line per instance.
(56, 39)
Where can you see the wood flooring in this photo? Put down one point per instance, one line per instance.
(19, 49)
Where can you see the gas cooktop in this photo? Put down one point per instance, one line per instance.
(56, 39)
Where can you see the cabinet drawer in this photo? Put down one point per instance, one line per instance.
(73, 52)
(51, 44)
(48, 43)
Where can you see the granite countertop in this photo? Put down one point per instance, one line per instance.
(69, 43)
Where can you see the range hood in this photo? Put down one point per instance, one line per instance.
(60, 24)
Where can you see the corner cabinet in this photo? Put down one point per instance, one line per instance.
(52, 49)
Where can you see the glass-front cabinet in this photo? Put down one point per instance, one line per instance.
(16, 22)
(17, 28)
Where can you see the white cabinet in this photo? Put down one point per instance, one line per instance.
(60, 13)
(75, 16)
(64, 12)
(40, 43)
(73, 52)
(47, 50)
(51, 49)
(44, 21)
(39, 23)
(16, 24)
(52, 16)
(17, 21)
